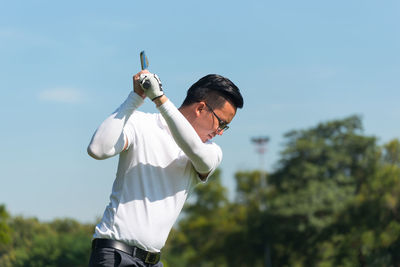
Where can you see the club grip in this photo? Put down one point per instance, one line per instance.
(143, 60)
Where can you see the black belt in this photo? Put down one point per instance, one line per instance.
(147, 257)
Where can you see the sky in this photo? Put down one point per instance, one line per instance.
(66, 66)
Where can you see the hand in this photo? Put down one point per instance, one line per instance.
(136, 84)
(151, 85)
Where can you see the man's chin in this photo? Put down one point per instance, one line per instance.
(207, 138)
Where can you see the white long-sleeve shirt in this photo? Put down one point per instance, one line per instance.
(155, 173)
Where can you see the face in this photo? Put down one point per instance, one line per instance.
(209, 120)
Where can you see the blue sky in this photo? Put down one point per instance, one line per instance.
(66, 66)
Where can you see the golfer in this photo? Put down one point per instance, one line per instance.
(162, 156)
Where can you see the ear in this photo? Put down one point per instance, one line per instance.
(200, 107)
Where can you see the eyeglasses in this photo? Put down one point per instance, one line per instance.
(222, 125)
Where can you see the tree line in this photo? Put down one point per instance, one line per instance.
(332, 200)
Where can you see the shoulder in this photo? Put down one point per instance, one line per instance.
(142, 118)
(147, 122)
(142, 115)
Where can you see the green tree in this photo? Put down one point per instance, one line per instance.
(334, 200)
(63, 242)
(74, 242)
(24, 236)
(217, 232)
(249, 243)
(319, 174)
(5, 231)
(367, 232)
(199, 240)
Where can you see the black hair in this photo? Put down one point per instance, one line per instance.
(214, 88)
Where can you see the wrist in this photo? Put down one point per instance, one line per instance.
(142, 95)
(160, 100)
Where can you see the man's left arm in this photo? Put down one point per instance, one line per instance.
(205, 157)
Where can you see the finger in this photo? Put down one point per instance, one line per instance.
(137, 75)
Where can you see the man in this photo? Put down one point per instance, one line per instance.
(161, 158)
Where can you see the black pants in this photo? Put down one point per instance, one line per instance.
(110, 257)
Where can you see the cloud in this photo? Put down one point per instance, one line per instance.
(61, 95)
(10, 35)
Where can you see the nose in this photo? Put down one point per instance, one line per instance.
(219, 132)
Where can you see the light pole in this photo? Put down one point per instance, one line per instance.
(261, 148)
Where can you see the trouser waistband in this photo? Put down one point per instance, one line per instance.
(145, 256)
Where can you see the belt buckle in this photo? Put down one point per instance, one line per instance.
(152, 258)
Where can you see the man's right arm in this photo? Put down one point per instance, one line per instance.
(110, 139)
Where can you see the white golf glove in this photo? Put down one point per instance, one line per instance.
(151, 85)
